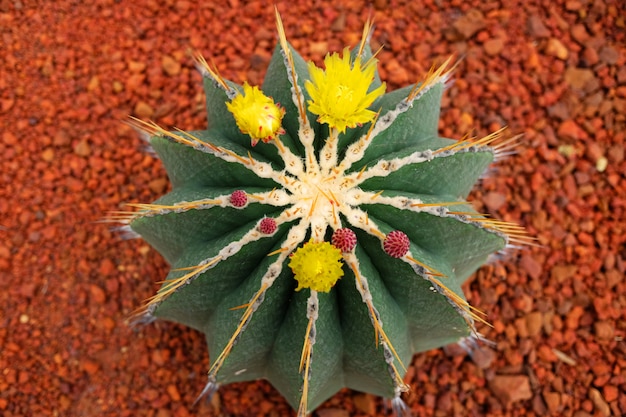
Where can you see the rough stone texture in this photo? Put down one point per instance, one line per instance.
(470, 23)
(511, 388)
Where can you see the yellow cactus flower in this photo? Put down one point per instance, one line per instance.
(316, 265)
(339, 94)
(256, 114)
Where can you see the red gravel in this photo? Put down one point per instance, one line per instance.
(71, 72)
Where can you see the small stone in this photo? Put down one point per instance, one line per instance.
(6, 104)
(93, 84)
(559, 111)
(158, 185)
(553, 401)
(534, 323)
(604, 330)
(590, 56)
(90, 366)
(536, 28)
(340, 23)
(530, 265)
(469, 24)
(600, 404)
(578, 77)
(118, 87)
(163, 413)
(573, 5)
(546, 354)
(444, 402)
(318, 48)
(9, 138)
(483, 356)
(61, 138)
(82, 148)
(511, 388)
(609, 55)
(159, 356)
(97, 294)
(332, 412)
(569, 129)
(567, 150)
(183, 6)
(539, 405)
(170, 65)
(594, 151)
(143, 110)
(365, 403)
(48, 155)
(258, 61)
(494, 200)
(381, 4)
(134, 82)
(610, 393)
(561, 273)
(601, 164)
(616, 153)
(556, 49)
(493, 46)
(572, 320)
(579, 33)
(563, 357)
(264, 34)
(107, 267)
(173, 392)
(136, 67)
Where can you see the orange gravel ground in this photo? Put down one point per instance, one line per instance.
(70, 74)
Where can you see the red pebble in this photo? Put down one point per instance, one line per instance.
(396, 244)
(238, 198)
(344, 239)
(267, 226)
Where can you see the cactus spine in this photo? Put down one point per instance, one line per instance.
(319, 244)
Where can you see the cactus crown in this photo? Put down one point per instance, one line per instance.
(329, 254)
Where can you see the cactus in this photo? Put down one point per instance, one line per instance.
(321, 242)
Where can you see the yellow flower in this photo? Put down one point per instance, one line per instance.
(316, 265)
(339, 95)
(256, 114)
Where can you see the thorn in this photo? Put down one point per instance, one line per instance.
(207, 71)
(209, 389)
(277, 251)
(432, 271)
(240, 328)
(378, 194)
(443, 204)
(367, 33)
(358, 177)
(239, 307)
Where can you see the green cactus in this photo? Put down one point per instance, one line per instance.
(331, 252)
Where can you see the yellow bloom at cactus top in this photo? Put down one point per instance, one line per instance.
(317, 266)
(256, 114)
(339, 94)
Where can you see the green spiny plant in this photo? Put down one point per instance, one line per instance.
(330, 253)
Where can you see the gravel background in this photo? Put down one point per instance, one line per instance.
(70, 74)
